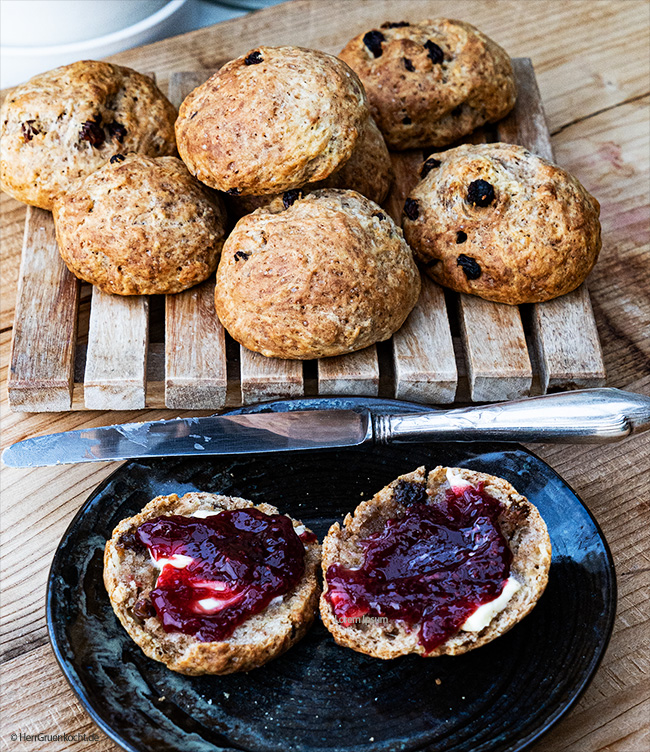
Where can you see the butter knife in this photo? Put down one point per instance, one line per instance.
(584, 416)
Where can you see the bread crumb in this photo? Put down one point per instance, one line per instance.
(438, 682)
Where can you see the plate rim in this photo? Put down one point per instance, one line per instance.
(312, 403)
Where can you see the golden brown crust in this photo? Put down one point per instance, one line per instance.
(521, 524)
(130, 575)
(538, 238)
(369, 171)
(68, 122)
(329, 275)
(140, 226)
(265, 127)
(419, 98)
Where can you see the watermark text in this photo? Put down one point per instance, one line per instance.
(20, 736)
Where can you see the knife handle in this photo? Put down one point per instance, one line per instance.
(590, 416)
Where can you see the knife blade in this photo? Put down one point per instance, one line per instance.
(584, 416)
(225, 434)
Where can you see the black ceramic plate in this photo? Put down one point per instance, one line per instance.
(320, 696)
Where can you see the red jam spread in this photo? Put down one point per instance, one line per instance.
(432, 567)
(221, 569)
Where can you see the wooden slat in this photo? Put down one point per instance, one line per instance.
(496, 353)
(498, 365)
(495, 347)
(195, 346)
(45, 326)
(423, 352)
(564, 330)
(353, 374)
(116, 362)
(195, 351)
(526, 124)
(264, 379)
(423, 355)
(566, 339)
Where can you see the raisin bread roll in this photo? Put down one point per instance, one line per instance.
(68, 122)
(272, 120)
(431, 82)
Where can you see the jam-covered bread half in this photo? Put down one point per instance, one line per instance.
(436, 563)
(140, 226)
(68, 122)
(211, 584)
(271, 120)
(497, 221)
(431, 82)
(317, 276)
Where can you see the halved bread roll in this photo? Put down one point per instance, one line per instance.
(369, 624)
(131, 574)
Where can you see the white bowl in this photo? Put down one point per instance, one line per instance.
(18, 63)
(40, 23)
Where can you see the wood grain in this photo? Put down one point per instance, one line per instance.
(566, 340)
(593, 69)
(497, 359)
(44, 338)
(355, 373)
(264, 379)
(423, 351)
(195, 351)
(116, 362)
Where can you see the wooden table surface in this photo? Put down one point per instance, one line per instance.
(591, 58)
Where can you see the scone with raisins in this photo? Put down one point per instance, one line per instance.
(272, 120)
(68, 122)
(211, 584)
(435, 563)
(369, 171)
(140, 226)
(497, 221)
(431, 82)
(317, 276)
